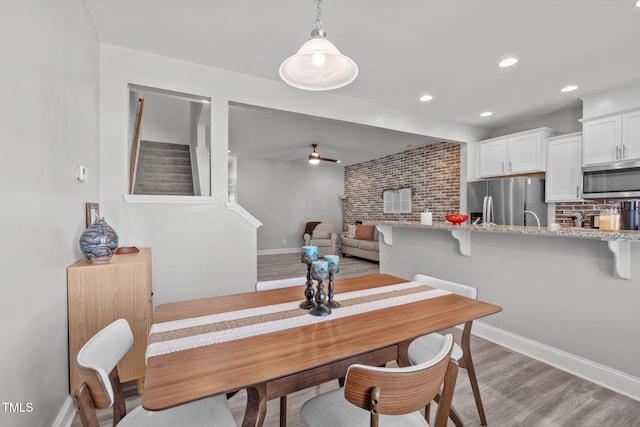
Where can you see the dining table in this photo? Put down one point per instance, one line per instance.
(265, 343)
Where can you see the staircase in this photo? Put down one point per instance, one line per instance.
(164, 169)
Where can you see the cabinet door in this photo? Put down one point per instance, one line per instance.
(602, 140)
(492, 157)
(564, 170)
(525, 153)
(631, 135)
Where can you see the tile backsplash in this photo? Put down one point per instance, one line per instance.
(566, 210)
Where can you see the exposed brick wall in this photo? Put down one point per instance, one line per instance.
(432, 172)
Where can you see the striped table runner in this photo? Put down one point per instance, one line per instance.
(169, 337)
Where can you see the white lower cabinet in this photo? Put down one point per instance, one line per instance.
(564, 168)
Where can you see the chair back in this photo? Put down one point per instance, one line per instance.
(456, 288)
(280, 283)
(396, 391)
(324, 226)
(97, 359)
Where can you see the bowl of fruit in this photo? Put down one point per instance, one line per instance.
(457, 218)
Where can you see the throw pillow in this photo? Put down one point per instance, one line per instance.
(351, 231)
(364, 232)
(320, 234)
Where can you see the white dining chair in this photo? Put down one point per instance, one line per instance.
(280, 283)
(101, 388)
(423, 348)
(382, 396)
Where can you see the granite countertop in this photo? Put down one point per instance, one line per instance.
(570, 232)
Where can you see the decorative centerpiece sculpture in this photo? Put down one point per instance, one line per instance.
(320, 272)
(332, 261)
(309, 255)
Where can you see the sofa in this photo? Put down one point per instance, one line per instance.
(362, 242)
(323, 237)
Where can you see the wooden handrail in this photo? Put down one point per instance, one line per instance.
(135, 147)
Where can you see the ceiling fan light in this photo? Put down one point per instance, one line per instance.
(318, 65)
(314, 160)
(570, 88)
(508, 62)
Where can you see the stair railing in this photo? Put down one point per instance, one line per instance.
(136, 147)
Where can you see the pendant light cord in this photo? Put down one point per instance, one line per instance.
(318, 13)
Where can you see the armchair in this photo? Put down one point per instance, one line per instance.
(323, 237)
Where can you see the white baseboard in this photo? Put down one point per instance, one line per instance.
(279, 251)
(602, 375)
(66, 415)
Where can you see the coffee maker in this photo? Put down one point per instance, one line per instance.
(629, 210)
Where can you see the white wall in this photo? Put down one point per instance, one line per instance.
(562, 121)
(284, 196)
(166, 119)
(612, 101)
(48, 126)
(200, 249)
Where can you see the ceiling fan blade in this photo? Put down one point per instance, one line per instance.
(329, 160)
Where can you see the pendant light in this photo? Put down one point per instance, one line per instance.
(318, 64)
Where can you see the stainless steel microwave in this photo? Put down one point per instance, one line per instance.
(612, 180)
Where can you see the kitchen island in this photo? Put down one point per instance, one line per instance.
(561, 302)
(618, 241)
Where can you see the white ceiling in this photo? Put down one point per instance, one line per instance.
(286, 136)
(447, 48)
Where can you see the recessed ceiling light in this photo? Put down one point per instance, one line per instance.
(508, 62)
(636, 3)
(570, 88)
(486, 114)
(425, 98)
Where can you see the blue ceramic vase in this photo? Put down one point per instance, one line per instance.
(99, 242)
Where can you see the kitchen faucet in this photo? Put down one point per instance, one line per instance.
(534, 215)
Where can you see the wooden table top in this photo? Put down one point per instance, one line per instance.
(176, 378)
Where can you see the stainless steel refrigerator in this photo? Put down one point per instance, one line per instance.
(507, 201)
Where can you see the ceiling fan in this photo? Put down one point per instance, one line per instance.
(314, 157)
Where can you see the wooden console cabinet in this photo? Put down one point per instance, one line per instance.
(98, 294)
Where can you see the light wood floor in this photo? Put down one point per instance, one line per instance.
(517, 391)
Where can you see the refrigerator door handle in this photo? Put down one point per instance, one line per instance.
(484, 210)
(487, 209)
(490, 209)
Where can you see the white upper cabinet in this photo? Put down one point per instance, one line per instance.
(492, 157)
(631, 135)
(564, 168)
(526, 152)
(602, 140)
(522, 152)
(612, 138)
